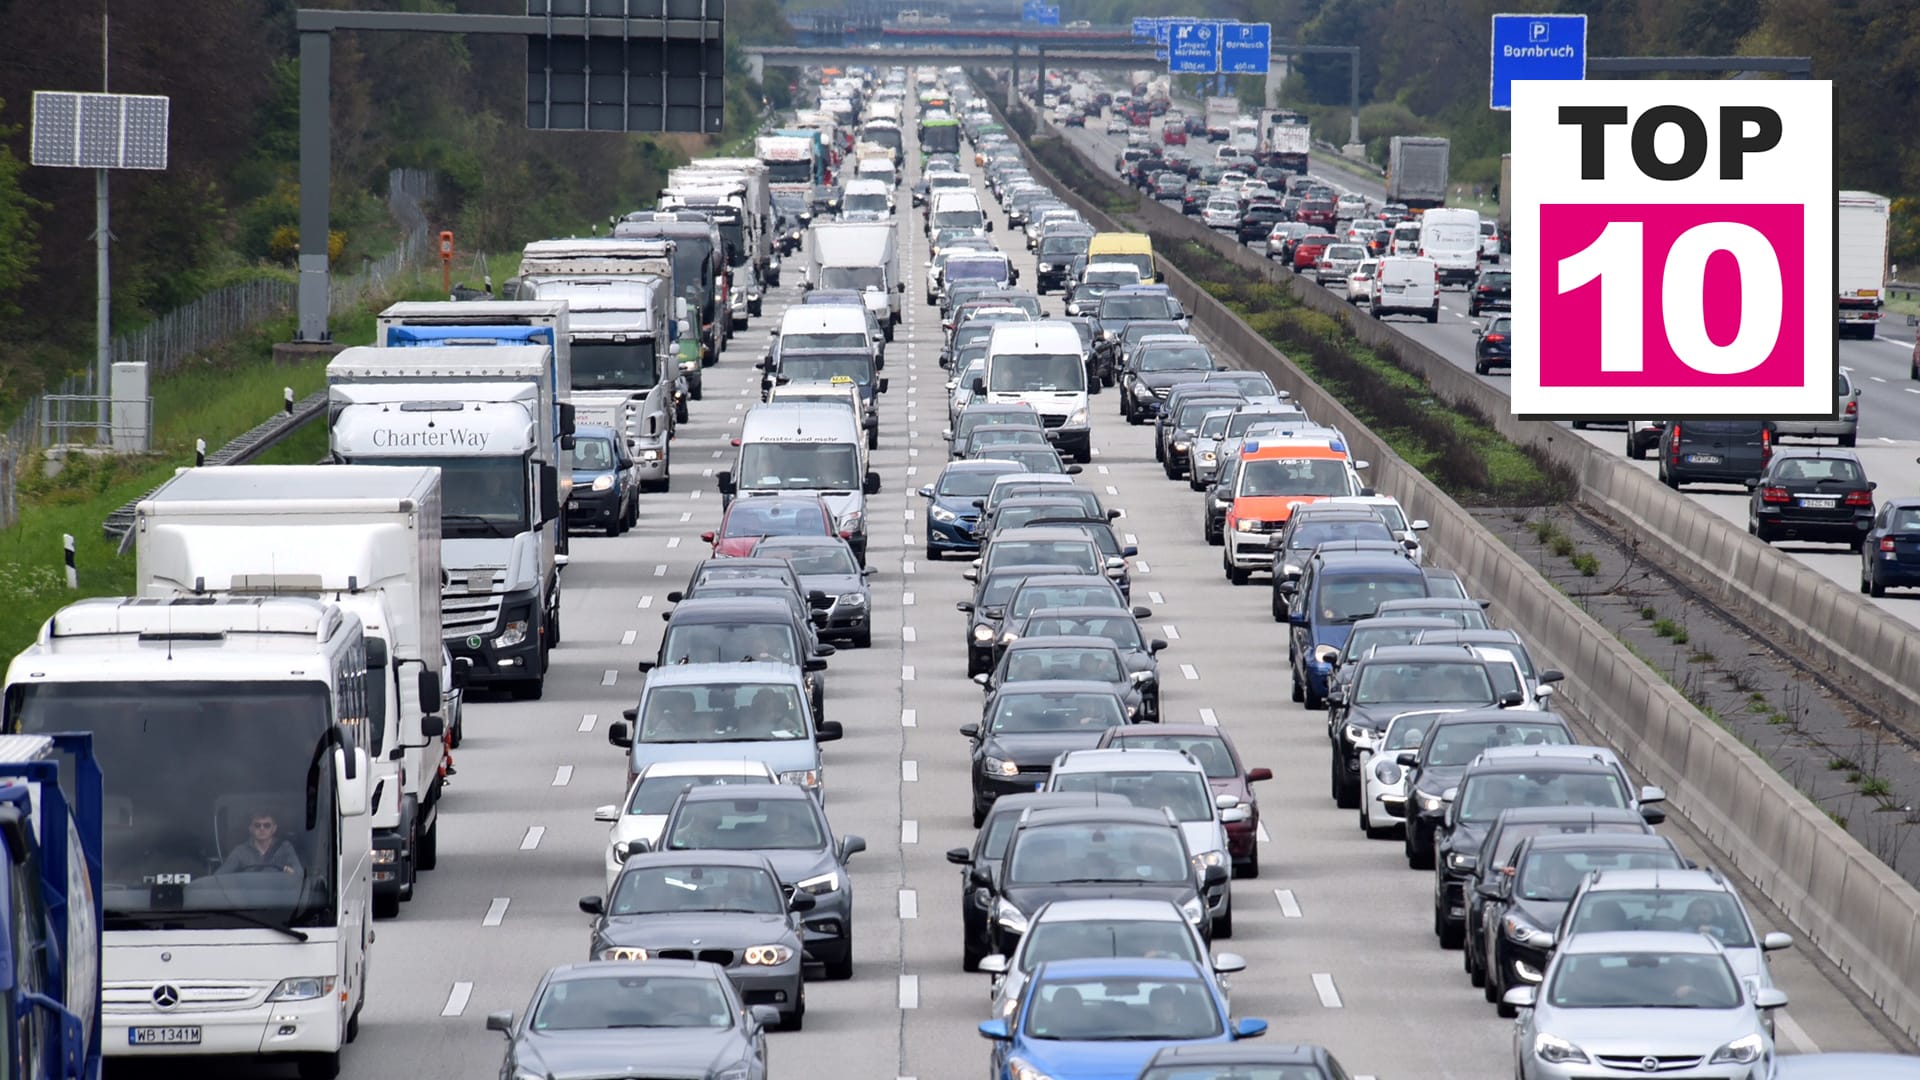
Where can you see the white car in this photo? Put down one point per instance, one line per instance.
(1221, 214)
(1489, 241)
(1390, 510)
(1351, 205)
(1383, 780)
(1360, 282)
(1116, 125)
(1098, 929)
(652, 795)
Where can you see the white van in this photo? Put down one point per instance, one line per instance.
(827, 326)
(1451, 238)
(1406, 285)
(1042, 364)
(957, 209)
(877, 168)
(866, 198)
(807, 446)
(1406, 237)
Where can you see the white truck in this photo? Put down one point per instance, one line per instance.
(222, 722)
(1221, 113)
(1286, 140)
(493, 419)
(862, 255)
(756, 201)
(366, 538)
(725, 204)
(1244, 135)
(1861, 272)
(625, 323)
(1417, 171)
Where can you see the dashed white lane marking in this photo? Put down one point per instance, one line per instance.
(1208, 718)
(911, 469)
(1153, 596)
(1096, 451)
(457, 999)
(1102, 469)
(693, 495)
(562, 776)
(1260, 834)
(906, 599)
(909, 718)
(532, 839)
(907, 539)
(1876, 378)
(737, 406)
(906, 634)
(909, 904)
(686, 516)
(909, 772)
(909, 513)
(704, 473)
(909, 831)
(717, 454)
(496, 911)
(1187, 670)
(673, 541)
(906, 673)
(628, 637)
(906, 566)
(1323, 985)
(1111, 490)
(1141, 565)
(1289, 907)
(660, 570)
(1172, 631)
(909, 991)
(609, 677)
(1132, 540)
(587, 721)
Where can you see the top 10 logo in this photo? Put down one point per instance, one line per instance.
(1673, 249)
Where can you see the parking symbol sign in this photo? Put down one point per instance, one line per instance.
(1673, 252)
(1536, 32)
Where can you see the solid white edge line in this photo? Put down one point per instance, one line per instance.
(496, 911)
(1795, 1034)
(457, 999)
(1329, 994)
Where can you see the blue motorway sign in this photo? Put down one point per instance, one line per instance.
(1536, 47)
(1193, 48)
(1246, 48)
(1142, 28)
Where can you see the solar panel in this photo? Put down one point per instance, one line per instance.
(99, 131)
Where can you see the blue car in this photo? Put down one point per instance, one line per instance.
(1890, 556)
(1335, 590)
(953, 503)
(1105, 1018)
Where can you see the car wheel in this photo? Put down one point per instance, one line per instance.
(842, 969)
(696, 389)
(613, 527)
(1452, 935)
(1475, 975)
(1223, 924)
(1634, 449)
(863, 639)
(1875, 587)
(1366, 819)
(796, 1019)
(933, 553)
(1579, 425)
(1299, 691)
(1856, 544)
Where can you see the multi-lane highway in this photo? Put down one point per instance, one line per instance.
(1336, 930)
(1889, 434)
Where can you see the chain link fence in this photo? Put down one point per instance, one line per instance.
(71, 410)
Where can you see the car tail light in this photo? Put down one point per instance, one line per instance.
(1775, 495)
(1495, 337)
(1766, 446)
(1859, 498)
(1675, 428)
(1853, 408)
(1886, 543)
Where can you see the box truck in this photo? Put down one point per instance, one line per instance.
(1221, 113)
(862, 255)
(1861, 273)
(1417, 171)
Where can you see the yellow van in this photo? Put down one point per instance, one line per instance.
(1124, 247)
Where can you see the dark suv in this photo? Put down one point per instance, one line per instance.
(1714, 451)
(1812, 495)
(1492, 292)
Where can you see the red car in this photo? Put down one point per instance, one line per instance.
(1317, 212)
(751, 518)
(1306, 253)
(1173, 135)
(1210, 746)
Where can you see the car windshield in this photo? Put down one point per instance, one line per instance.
(820, 369)
(974, 419)
(1150, 306)
(712, 643)
(1031, 714)
(1062, 248)
(1458, 744)
(1441, 682)
(741, 712)
(1086, 1010)
(602, 1003)
(1023, 372)
(1310, 535)
(1089, 939)
(1643, 980)
(1294, 476)
(793, 341)
(1064, 662)
(1351, 597)
(976, 269)
(1346, 252)
(746, 824)
(1176, 358)
(1242, 421)
(1209, 750)
(1407, 732)
(1121, 629)
(1554, 876)
(1005, 435)
(660, 890)
(1193, 412)
(655, 794)
(1079, 554)
(819, 559)
(821, 466)
(1488, 794)
(1696, 911)
(766, 517)
(1214, 425)
(1464, 617)
(1184, 793)
(1504, 671)
(972, 483)
(1139, 854)
(1018, 514)
(1364, 639)
(592, 453)
(1814, 471)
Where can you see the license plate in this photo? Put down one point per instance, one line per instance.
(1396, 288)
(1819, 504)
(1704, 459)
(163, 1036)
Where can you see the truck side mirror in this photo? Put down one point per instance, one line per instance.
(549, 493)
(872, 485)
(880, 387)
(566, 419)
(979, 386)
(432, 726)
(430, 692)
(350, 781)
(724, 481)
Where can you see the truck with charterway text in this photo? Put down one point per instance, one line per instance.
(366, 538)
(493, 418)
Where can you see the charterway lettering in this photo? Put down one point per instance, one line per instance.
(391, 439)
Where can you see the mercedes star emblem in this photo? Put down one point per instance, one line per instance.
(1650, 1063)
(165, 997)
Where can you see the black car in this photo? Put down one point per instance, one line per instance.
(982, 442)
(1493, 345)
(1492, 291)
(1120, 627)
(1812, 495)
(1890, 558)
(1281, 1061)
(988, 607)
(825, 564)
(1509, 831)
(721, 629)
(1149, 373)
(1522, 904)
(1067, 504)
(1174, 433)
(1055, 254)
(717, 573)
(1169, 186)
(983, 860)
(1095, 853)
(1714, 451)
(1393, 681)
(1257, 220)
(1501, 780)
(1378, 632)
(1452, 743)
(1060, 588)
(1067, 659)
(1026, 725)
(1100, 530)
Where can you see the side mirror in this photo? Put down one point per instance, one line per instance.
(872, 484)
(608, 813)
(819, 600)
(1142, 612)
(1488, 889)
(993, 965)
(880, 386)
(1129, 551)
(851, 845)
(1549, 676)
(1651, 794)
(1450, 794)
(979, 386)
(620, 733)
(592, 905)
(970, 574)
(1776, 941)
(1512, 700)
(964, 607)
(971, 731)
(566, 418)
(1358, 465)
(549, 493)
(1214, 876)
(1249, 1028)
(981, 679)
(645, 666)
(501, 1022)
(1336, 695)
(1326, 654)
(1227, 963)
(765, 1016)
(724, 481)
(707, 536)
(1521, 997)
(1418, 525)
(828, 731)
(1226, 802)
(430, 690)
(1289, 588)
(815, 663)
(1749, 483)
(995, 1029)
(959, 856)
(1770, 998)
(350, 781)
(801, 901)
(1156, 645)
(432, 725)
(926, 491)
(824, 649)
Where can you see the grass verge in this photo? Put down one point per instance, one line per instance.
(233, 390)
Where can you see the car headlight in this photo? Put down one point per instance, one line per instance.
(994, 766)
(1077, 417)
(1429, 801)
(1386, 772)
(1252, 523)
(1009, 638)
(1021, 1070)
(1209, 456)
(851, 521)
(512, 634)
(1010, 918)
(1044, 267)
(603, 483)
(1208, 858)
(821, 884)
(983, 634)
(1521, 932)
(302, 989)
(1742, 1051)
(622, 849)
(806, 778)
(1461, 862)
(768, 955)
(1361, 737)
(1180, 444)
(853, 599)
(1141, 391)
(941, 514)
(1557, 1051)
(1194, 910)
(623, 952)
